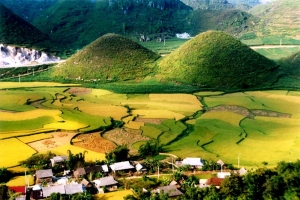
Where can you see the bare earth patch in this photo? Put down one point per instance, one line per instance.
(149, 120)
(248, 113)
(79, 90)
(125, 136)
(94, 142)
(59, 139)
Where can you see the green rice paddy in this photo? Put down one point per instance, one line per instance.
(260, 126)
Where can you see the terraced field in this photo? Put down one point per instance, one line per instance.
(263, 126)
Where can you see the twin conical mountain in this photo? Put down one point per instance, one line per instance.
(110, 57)
(216, 60)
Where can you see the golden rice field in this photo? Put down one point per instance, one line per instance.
(21, 180)
(217, 131)
(35, 137)
(12, 151)
(117, 195)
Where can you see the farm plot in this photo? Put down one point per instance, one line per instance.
(94, 142)
(20, 180)
(35, 137)
(7, 85)
(175, 129)
(13, 151)
(89, 156)
(57, 139)
(125, 136)
(118, 195)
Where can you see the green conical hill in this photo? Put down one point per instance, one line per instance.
(18, 32)
(216, 60)
(110, 57)
(291, 65)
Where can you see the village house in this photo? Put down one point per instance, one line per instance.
(44, 175)
(109, 182)
(171, 190)
(58, 160)
(193, 162)
(80, 172)
(122, 166)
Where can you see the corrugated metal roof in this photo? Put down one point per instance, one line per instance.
(44, 173)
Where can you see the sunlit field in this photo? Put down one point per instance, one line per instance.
(263, 126)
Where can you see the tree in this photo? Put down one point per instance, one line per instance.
(38, 161)
(150, 149)
(232, 186)
(76, 160)
(4, 175)
(121, 153)
(152, 164)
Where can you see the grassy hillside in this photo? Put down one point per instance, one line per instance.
(291, 65)
(76, 26)
(16, 31)
(216, 60)
(110, 57)
(279, 19)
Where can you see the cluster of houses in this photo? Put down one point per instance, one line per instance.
(46, 183)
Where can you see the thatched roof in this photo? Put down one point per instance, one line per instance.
(105, 181)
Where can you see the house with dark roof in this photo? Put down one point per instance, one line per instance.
(171, 190)
(86, 170)
(43, 175)
(122, 166)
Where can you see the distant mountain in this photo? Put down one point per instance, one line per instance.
(216, 60)
(279, 17)
(111, 57)
(18, 32)
(208, 4)
(78, 22)
(28, 9)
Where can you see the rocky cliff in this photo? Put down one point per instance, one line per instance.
(18, 56)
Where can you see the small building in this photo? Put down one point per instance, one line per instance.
(194, 162)
(202, 183)
(44, 175)
(47, 191)
(109, 182)
(214, 182)
(140, 168)
(58, 159)
(73, 188)
(86, 170)
(223, 174)
(36, 192)
(105, 168)
(122, 166)
(171, 190)
(242, 171)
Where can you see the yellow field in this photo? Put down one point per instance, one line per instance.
(20, 180)
(116, 112)
(134, 125)
(182, 98)
(32, 114)
(66, 125)
(13, 151)
(118, 195)
(100, 92)
(20, 133)
(165, 114)
(90, 156)
(5, 85)
(229, 117)
(35, 137)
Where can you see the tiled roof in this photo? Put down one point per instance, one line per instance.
(73, 188)
(170, 189)
(47, 191)
(108, 180)
(44, 173)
